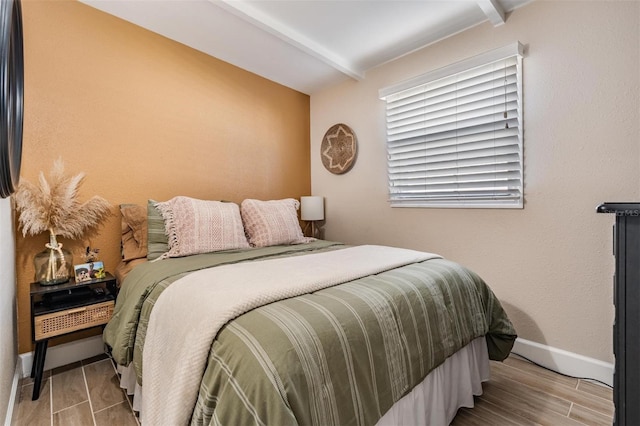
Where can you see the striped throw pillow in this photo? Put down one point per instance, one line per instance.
(157, 240)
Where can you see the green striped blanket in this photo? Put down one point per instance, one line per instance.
(341, 355)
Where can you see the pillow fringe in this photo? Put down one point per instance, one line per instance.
(170, 228)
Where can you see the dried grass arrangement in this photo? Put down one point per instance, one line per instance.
(53, 206)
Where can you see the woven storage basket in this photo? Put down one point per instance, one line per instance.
(62, 322)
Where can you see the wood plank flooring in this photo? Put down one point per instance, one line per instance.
(519, 393)
(82, 393)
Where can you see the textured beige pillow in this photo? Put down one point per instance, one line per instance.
(269, 223)
(134, 231)
(198, 226)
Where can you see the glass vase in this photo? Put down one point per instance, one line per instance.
(54, 265)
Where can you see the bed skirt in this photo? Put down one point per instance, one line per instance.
(450, 386)
(434, 401)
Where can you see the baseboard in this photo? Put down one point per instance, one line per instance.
(565, 362)
(556, 359)
(64, 354)
(13, 397)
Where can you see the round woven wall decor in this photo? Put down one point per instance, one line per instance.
(339, 148)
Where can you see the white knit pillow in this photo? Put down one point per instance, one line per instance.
(269, 223)
(197, 226)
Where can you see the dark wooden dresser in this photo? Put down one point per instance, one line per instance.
(626, 297)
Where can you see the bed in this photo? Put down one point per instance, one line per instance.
(302, 332)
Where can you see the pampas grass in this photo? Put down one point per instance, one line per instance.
(53, 206)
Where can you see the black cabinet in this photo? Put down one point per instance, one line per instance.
(67, 308)
(626, 297)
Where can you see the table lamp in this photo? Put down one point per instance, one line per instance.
(312, 210)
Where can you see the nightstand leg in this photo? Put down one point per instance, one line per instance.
(36, 356)
(37, 367)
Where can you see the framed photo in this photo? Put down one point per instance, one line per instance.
(89, 271)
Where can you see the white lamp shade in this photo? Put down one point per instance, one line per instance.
(312, 208)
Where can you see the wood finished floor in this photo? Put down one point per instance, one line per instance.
(82, 393)
(519, 393)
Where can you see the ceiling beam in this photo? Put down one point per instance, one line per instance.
(493, 10)
(244, 11)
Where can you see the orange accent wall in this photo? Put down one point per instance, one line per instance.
(146, 117)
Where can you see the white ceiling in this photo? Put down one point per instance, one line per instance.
(308, 45)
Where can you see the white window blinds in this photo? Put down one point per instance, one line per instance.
(454, 136)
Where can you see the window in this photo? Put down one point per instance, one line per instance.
(454, 135)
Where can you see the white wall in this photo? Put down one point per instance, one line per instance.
(550, 263)
(8, 333)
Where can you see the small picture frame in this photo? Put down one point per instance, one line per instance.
(89, 271)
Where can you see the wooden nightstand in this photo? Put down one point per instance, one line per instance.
(67, 308)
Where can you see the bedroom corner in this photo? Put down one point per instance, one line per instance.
(550, 262)
(8, 314)
(146, 117)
